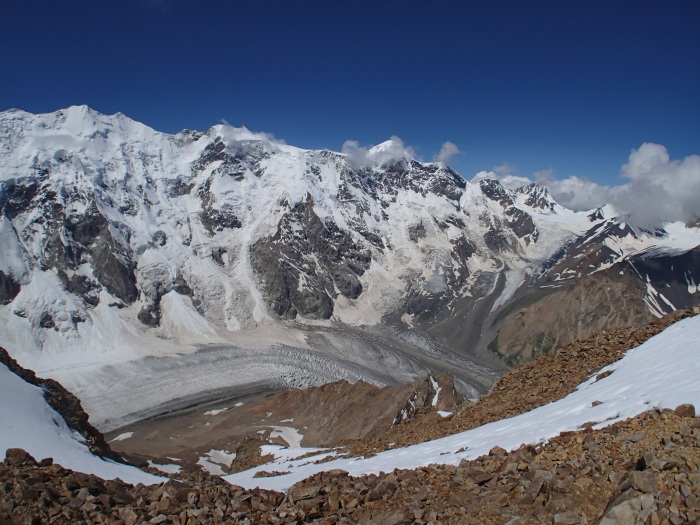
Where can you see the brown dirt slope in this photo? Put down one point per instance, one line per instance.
(322, 415)
(607, 299)
(545, 379)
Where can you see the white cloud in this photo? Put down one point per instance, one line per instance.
(244, 134)
(504, 169)
(447, 151)
(509, 181)
(577, 193)
(357, 155)
(658, 190)
(389, 151)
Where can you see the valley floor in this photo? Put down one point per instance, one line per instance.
(120, 394)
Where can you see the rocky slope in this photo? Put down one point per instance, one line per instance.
(642, 470)
(47, 420)
(543, 380)
(65, 404)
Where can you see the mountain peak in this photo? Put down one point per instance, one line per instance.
(390, 151)
(537, 197)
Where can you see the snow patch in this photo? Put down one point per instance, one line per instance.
(215, 461)
(122, 437)
(290, 435)
(215, 412)
(169, 468)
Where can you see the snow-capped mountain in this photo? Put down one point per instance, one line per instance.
(120, 242)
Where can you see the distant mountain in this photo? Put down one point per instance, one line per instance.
(120, 242)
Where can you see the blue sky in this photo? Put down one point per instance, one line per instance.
(570, 86)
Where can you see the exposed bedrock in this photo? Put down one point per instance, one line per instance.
(307, 263)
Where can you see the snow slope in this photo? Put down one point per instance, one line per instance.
(661, 373)
(29, 422)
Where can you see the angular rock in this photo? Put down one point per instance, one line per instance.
(685, 410)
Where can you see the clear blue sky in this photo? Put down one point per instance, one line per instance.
(571, 85)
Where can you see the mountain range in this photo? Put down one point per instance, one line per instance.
(146, 270)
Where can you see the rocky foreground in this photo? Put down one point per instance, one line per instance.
(643, 470)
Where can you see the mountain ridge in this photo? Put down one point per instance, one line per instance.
(123, 244)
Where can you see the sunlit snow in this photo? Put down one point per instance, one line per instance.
(29, 422)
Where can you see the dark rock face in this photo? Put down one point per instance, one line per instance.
(47, 321)
(81, 285)
(498, 241)
(385, 183)
(150, 313)
(9, 288)
(111, 261)
(306, 261)
(213, 219)
(675, 276)
(493, 189)
(159, 238)
(72, 240)
(537, 197)
(179, 187)
(416, 232)
(518, 221)
(522, 225)
(426, 303)
(15, 196)
(232, 162)
(235, 164)
(586, 254)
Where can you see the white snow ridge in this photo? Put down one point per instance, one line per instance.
(29, 422)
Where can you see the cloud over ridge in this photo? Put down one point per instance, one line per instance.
(658, 189)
